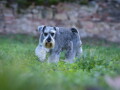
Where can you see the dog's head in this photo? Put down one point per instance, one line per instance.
(48, 34)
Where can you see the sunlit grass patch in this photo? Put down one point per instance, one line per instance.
(20, 69)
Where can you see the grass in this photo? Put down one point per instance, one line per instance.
(21, 70)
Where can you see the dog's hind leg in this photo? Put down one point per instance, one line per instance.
(70, 54)
(79, 52)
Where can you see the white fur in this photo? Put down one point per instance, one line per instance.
(41, 52)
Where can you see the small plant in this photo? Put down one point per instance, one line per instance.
(84, 2)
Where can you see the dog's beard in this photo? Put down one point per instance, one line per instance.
(49, 45)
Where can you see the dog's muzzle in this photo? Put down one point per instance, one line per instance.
(48, 45)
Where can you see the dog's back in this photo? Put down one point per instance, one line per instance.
(67, 35)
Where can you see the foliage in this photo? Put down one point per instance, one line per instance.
(26, 3)
(21, 70)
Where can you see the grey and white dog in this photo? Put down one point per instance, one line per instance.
(54, 40)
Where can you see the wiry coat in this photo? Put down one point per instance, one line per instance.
(67, 39)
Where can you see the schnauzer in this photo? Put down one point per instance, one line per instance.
(54, 40)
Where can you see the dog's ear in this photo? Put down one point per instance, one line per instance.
(41, 28)
(56, 28)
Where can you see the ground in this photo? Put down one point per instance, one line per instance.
(21, 70)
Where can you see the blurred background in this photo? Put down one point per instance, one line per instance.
(98, 22)
(93, 18)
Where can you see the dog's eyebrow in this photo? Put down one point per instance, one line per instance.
(46, 31)
(52, 31)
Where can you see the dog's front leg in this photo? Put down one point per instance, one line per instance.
(40, 52)
(53, 58)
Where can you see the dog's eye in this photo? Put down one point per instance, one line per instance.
(45, 34)
(52, 34)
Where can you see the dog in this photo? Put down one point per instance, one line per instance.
(54, 40)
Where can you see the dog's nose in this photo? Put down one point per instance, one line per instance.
(49, 39)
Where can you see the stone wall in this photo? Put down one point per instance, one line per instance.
(92, 20)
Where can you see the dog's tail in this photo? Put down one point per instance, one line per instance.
(74, 30)
(75, 33)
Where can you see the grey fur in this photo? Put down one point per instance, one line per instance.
(67, 39)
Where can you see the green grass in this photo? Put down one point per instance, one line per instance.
(21, 70)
